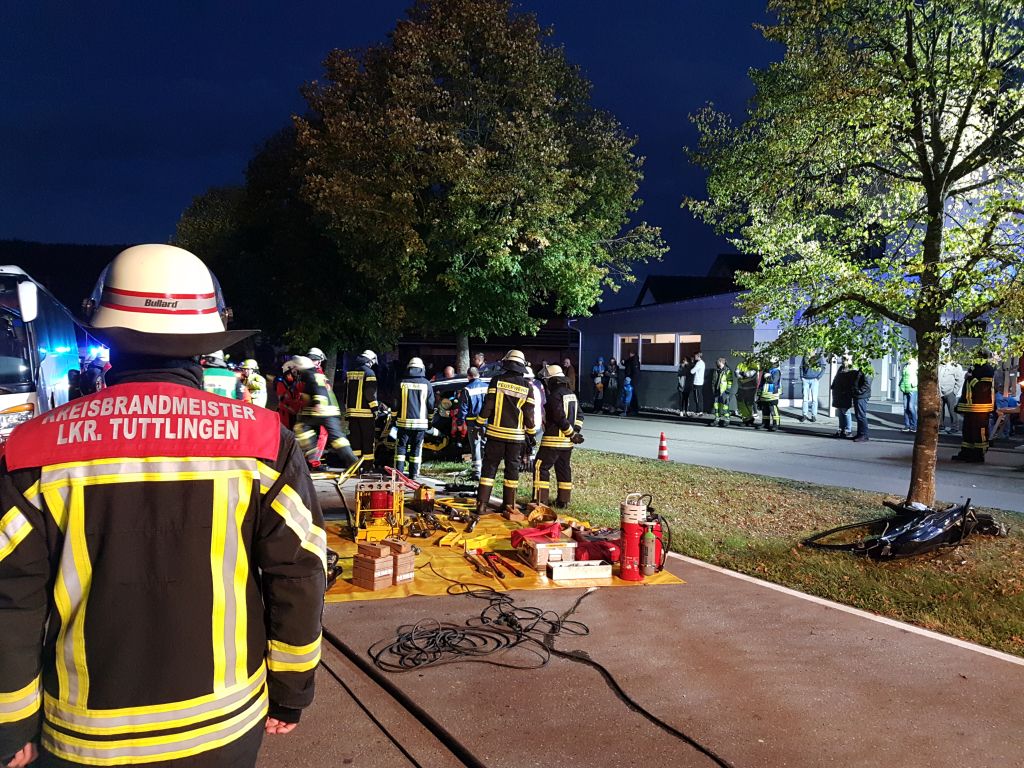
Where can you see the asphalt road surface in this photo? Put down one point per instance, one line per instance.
(809, 453)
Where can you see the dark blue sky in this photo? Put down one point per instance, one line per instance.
(115, 114)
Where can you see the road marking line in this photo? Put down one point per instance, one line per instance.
(856, 611)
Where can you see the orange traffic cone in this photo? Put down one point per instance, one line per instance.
(663, 448)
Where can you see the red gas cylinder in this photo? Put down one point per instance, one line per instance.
(633, 512)
(380, 503)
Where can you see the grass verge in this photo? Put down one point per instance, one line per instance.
(754, 525)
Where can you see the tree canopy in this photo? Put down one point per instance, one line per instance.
(465, 166)
(879, 176)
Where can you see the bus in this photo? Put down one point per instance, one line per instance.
(39, 349)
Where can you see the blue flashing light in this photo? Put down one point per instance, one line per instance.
(62, 350)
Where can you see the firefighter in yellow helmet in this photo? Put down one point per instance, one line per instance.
(162, 550)
(254, 383)
(507, 416)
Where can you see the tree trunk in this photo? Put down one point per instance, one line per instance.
(330, 363)
(461, 353)
(929, 409)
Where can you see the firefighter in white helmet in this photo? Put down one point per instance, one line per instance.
(317, 356)
(413, 411)
(361, 404)
(254, 383)
(218, 379)
(318, 409)
(183, 619)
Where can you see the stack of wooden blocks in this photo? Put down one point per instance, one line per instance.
(403, 559)
(373, 566)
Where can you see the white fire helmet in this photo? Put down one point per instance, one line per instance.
(370, 355)
(316, 354)
(160, 300)
(298, 363)
(250, 365)
(416, 363)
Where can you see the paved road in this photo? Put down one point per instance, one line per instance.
(803, 452)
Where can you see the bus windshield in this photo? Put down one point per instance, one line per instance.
(15, 366)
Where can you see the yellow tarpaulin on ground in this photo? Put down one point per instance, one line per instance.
(450, 564)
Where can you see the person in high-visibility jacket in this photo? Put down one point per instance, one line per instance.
(746, 392)
(721, 389)
(319, 411)
(563, 422)
(507, 416)
(412, 417)
(768, 397)
(361, 404)
(162, 550)
(977, 402)
(471, 404)
(254, 383)
(218, 379)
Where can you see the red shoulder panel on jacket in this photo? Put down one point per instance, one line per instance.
(145, 419)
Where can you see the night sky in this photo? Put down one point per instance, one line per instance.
(115, 115)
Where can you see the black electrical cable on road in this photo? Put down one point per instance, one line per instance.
(502, 625)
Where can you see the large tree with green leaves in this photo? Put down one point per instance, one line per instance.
(879, 174)
(464, 161)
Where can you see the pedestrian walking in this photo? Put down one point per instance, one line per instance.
(612, 379)
(908, 386)
(161, 575)
(812, 368)
(951, 384)
(632, 372)
(842, 395)
(685, 385)
(697, 374)
(863, 375)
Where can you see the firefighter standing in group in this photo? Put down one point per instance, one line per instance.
(254, 383)
(361, 404)
(768, 396)
(563, 422)
(507, 416)
(162, 550)
(746, 392)
(721, 389)
(218, 379)
(319, 410)
(414, 408)
(977, 402)
(471, 404)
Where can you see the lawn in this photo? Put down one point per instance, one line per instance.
(754, 525)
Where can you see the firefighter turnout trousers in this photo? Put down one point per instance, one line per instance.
(162, 571)
(559, 458)
(769, 412)
(309, 431)
(409, 446)
(497, 451)
(360, 434)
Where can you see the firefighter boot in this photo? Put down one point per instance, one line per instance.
(540, 493)
(564, 494)
(508, 496)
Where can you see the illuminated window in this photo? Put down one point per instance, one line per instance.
(658, 351)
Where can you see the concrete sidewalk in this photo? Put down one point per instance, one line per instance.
(760, 675)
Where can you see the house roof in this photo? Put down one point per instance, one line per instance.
(728, 264)
(662, 289)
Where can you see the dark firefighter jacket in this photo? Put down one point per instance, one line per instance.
(771, 384)
(508, 408)
(562, 416)
(721, 380)
(471, 400)
(162, 558)
(315, 394)
(746, 385)
(978, 396)
(361, 391)
(415, 402)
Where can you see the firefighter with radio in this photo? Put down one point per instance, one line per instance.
(471, 404)
(414, 408)
(319, 410)
(507, 417)
(563, 422)
(977, 402)
(175, 510)
(361, 404)
(254, 383)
